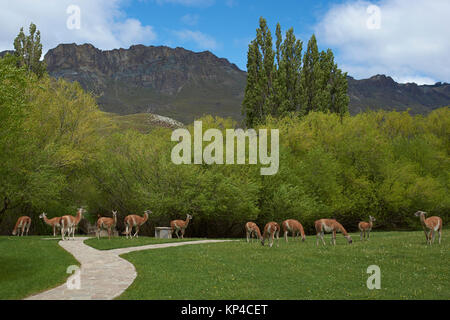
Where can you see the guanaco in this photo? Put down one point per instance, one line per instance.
(22, 224)
(55, 222)
(431, 224)
(330, 225)
(293, 226)
(135, 221)
(270, 230)
(252, 230)
(106, 223)
(69, 224)
(366, 227)
(180, 225)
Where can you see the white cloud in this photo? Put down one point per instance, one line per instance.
(202, 41)
(412, 43)
(103, 24)
(190, 19)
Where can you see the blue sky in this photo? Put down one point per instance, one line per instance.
(406, 39)
(230, 25)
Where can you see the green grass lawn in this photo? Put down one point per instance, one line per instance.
(122, 242)
(29, 265)
(238, 270)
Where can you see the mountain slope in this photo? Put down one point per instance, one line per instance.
(382, 92)
(172, 82)
(184, 85)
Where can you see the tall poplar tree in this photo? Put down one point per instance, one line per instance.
(28, 50)
(283, 81)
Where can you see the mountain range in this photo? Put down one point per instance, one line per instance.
(184, 85)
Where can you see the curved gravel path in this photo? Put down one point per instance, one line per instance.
(104, 275)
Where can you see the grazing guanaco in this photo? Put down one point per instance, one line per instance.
(366, 227)
(55, 222)
(293, 226)
(431, 224)
(133, 220)
(270, 230)
(330, 225)
(180, 225)
(22, 224)
(251, 230)
(69, 224)
(106, 223)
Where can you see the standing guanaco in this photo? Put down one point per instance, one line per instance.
(69, 224)
(135, 221)
(293, 226)
(22, 224)
(366, 227)
(180, 225)
(106, 223)
(330, 225)
(55, 222)
(431, 224)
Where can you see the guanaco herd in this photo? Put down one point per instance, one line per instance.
(68, 224)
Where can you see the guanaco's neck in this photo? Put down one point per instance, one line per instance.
(258, 232)
(46, 220)
(341, 227)
(78, 217)
(422, 220)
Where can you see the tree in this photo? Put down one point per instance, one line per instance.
(311, 76)
(28, 49)
(259, 96)
(283, 81)
(289, 61)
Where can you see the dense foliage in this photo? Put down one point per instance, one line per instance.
(58, 152)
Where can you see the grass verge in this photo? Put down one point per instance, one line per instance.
(30, 265)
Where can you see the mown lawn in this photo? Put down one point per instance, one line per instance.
(29, 265)
(122, 242)
(238, 270)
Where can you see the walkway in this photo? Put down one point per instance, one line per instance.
(104, 275)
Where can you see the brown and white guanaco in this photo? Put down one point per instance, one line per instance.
(271, 230)
(55, 222)
(293, 226)
(69, 224)
(180, 225)
(22, 224)
(366, 227)
(133, 220)
(106, 223)
(251, 230)
(330, 225)
(430, 226)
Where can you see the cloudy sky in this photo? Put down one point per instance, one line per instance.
(406, 39)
